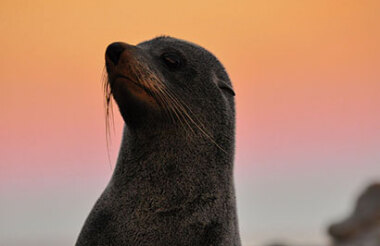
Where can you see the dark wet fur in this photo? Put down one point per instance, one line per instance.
(173, 186)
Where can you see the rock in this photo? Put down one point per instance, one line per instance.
(362, 227)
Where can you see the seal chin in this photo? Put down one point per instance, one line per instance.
(135, 104)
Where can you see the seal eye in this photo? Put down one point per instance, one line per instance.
(173, 61)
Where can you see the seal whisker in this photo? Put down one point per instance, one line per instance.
(186, 110)
(160, 97)
(174, 109)
(108, 112)
(165, 104)
(157, 87)
(183, 111)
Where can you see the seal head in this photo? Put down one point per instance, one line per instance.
(166, 78)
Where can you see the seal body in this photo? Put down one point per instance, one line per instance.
(173, 180)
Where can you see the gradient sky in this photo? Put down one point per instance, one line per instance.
(307, 79)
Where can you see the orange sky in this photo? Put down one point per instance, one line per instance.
(282, 55)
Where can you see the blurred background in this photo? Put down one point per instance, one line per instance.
(307, 79)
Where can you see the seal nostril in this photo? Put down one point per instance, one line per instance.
(114, 51)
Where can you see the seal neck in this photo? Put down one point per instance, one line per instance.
(157, 152)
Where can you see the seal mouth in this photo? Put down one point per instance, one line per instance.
(121, 78)
(125, 78)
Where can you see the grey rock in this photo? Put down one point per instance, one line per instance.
(362, 227)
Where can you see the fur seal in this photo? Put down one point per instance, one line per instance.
(173, 180)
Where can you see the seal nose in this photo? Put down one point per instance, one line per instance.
(114, 51)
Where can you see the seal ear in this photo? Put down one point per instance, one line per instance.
(227, 88)
(223, 85)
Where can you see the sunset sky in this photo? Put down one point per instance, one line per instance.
(307, 81)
